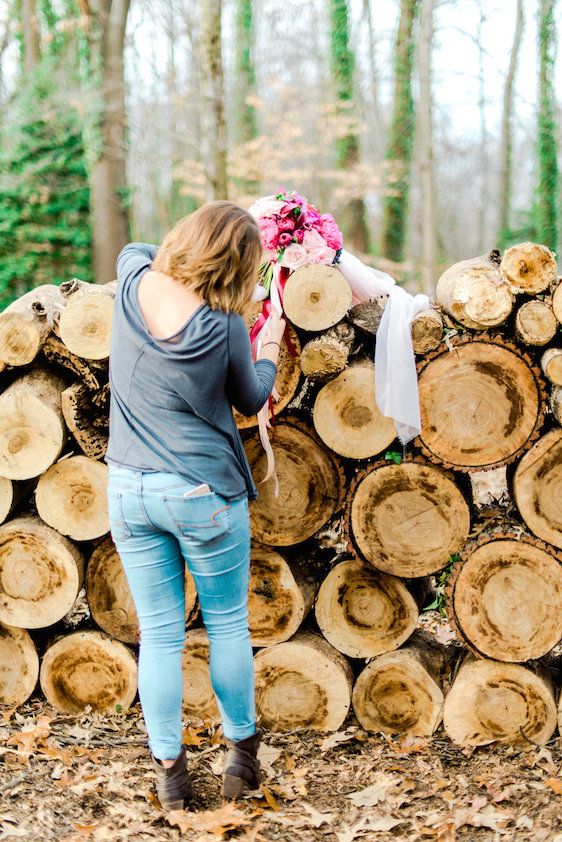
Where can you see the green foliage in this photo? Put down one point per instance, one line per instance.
(342, 68)
(401, 138)
(547, 146)
(45, 232)
(442, 579)
(245, 112)
(393, 456)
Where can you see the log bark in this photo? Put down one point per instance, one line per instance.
(303, 683)
(19, 666)
(402, 692)
(26, 323)
(40, 574)
(367, 315)
(474, 293)
(529, 268)
(481, 405)
(316, 297)
(505, 597)
(363, 612)
(71, 497)
(88, 668)
(279, 597)
(346, 416)
(91, 374)
(406, 519)
(489, 488)
(537, 488)
(556, 403)
(199, 701)
(89, 427)
(492, 702)
(110, 599)
(557, 301)
(327, 355)
(427, 331)
(535, 323)
(551, 364)
(85, 323)
(32, 431)
(310, 484)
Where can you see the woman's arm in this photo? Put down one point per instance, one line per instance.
(248, 384)
(134, 258)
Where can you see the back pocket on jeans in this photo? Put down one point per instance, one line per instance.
(202, 518)
(119, 529)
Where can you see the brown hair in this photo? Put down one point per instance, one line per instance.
(215, 251)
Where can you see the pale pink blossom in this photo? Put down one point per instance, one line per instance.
(324, 254)
(269, 233)
(313, 240)
(266, 206)
(294, 257)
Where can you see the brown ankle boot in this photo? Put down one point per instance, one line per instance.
(173, 785)
(241, 766)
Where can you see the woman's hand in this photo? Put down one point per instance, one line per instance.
(271, 337)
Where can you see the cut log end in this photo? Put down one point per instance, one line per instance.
(277, 602)
(88, 668)
(537, 487)
(316, 297)
(551, 364)
(303, 683)
(85, 323)
(427, 331)
(72, 498)
(19, 666)
(327, 355)
(529, 268)
(474, 293)
(535, 323)
(26, 323)
(495, 702)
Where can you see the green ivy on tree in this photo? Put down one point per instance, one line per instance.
(547, 196)
(45, 234)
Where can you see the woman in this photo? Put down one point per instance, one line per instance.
(179, 480)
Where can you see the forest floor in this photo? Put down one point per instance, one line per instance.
(86, 776)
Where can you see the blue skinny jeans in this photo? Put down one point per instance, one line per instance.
(156, 531)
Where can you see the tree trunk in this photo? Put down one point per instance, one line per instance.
(529, 268)
(406, 519)
(40, 574)
(326, 355)
(199, 701)
(212, 87)
(19, 666)
(535, 323)
(85, 323)
(353, 215)
(346, 416)
(537, 488)
(472, 292)
(88, 668)
(505, 597)
(506, 156)
(279, 597)
(481, 406)
(401, 692)
(245, 117)
(27, 322)
(363, 612)
(30, 31)
(401, 138)
(32, 431)
(303, 683)
(378, 126)
(547, 145)
(310, 483)
(108, 177)
(428, 214)
(491, 702)
(71, 497)
(316, 297)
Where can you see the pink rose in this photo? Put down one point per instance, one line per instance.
(294, 257)
(269, 233)
(267, 206)
(328, 228)
(298, 235)
(322, 255)
(284, 239)
(286, 224)
(287, 208)
(313, 240)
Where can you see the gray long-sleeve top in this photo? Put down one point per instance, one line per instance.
(171, 400)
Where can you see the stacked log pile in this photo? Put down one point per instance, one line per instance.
(350, 552)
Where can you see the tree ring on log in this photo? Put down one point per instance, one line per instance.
(303, 683)
(198, 698)
(557, 301)
(528, 267)
(276, 603)
(537, 487)
(346, 416)
(505, 598)
(396, 693)
(406, 519)
(85, 323)
(535, 323)
(310, 482)
(19, 665)
(40, 574)
(495, 702)
(482, 404)
(364, 613)
(316, 297)
(88, 668)
(71, 497)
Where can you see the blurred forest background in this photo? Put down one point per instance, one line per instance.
(429, 128)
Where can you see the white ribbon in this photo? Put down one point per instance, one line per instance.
(396, 382)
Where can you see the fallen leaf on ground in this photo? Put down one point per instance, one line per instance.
(267, 755)
(483, 815)
(375, 793)
(218, 821)
(368, 824)
(27, 739)
(192, 736)
(337, 738)
(555, 784)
